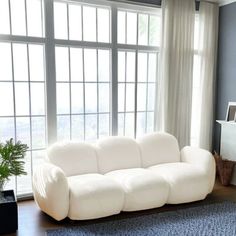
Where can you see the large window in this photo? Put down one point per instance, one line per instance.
(195, 122)
(138, 38)
(76, 70)
(22, 82)
(82, 70)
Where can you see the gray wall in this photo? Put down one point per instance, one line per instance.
(226, 67)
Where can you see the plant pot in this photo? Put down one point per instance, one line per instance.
(8, 212)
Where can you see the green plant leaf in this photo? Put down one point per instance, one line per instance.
(12, 159)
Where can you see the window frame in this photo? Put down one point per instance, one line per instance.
(50, 43)
(114, 46)
(27, 41)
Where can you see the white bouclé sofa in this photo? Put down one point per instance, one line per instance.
(83, 181)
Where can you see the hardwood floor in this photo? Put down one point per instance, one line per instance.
(33, 222)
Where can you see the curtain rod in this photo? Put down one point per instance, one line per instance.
(150, 3)
(208, 2)
(154, 3)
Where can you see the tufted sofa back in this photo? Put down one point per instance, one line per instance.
(73, 158)
(158, 148)
(114, 153)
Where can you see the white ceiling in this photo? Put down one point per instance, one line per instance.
(223, 2)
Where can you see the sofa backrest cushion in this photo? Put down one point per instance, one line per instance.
(73, 158)
(115, 153)
(158, 148)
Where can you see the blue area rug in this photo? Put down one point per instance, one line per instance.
(214, 219)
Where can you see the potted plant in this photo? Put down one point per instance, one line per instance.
(11, 164)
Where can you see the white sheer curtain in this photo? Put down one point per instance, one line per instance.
(176, 65)
(208, 34)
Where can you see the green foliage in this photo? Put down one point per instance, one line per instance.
(11, 160)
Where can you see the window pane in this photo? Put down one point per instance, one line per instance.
(63, 98)
(63, 128)
(90, 64)
(129, 124)
(89, 21)
(142, 67)
(143, 29)
(20, 62)
(141, 97)
(34, 18)
(195, 122)
(36, 62)
(77, 127)
(62, 64)
(196, 71)
(38, 158)
(103, 125)
(121, 97)
(24, 182)
(103, 25)
(141, 124)
(196, 32)
(90, 98)
(91, 127)
(151, 97)
(18, 17)
(6, 99)
(121, 118)
(152, 67)
(130, 97)
(155, 31)
(75, 22)
(121, 66)
(121, 27)
(60, 20)
(38, 132)
(37, 99)
(7, 129)
(5, 61)
(4, 17)
(76, 64)
(11, 184)
(23, 130)
(130, 67)
(77, 98)
(150, 122)
(104, 97)
(22, 98)
(131, 28)
(103, 65)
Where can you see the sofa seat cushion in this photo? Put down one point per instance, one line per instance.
(94, 196)
(143, 189)
(187, 182)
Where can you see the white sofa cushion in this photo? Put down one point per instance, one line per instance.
(187, 182)
(143, 189)
(158, 148)
(115, 153)
(94, 196)
(73, 158)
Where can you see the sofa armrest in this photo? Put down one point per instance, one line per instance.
(202, 159)
(51, 191)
